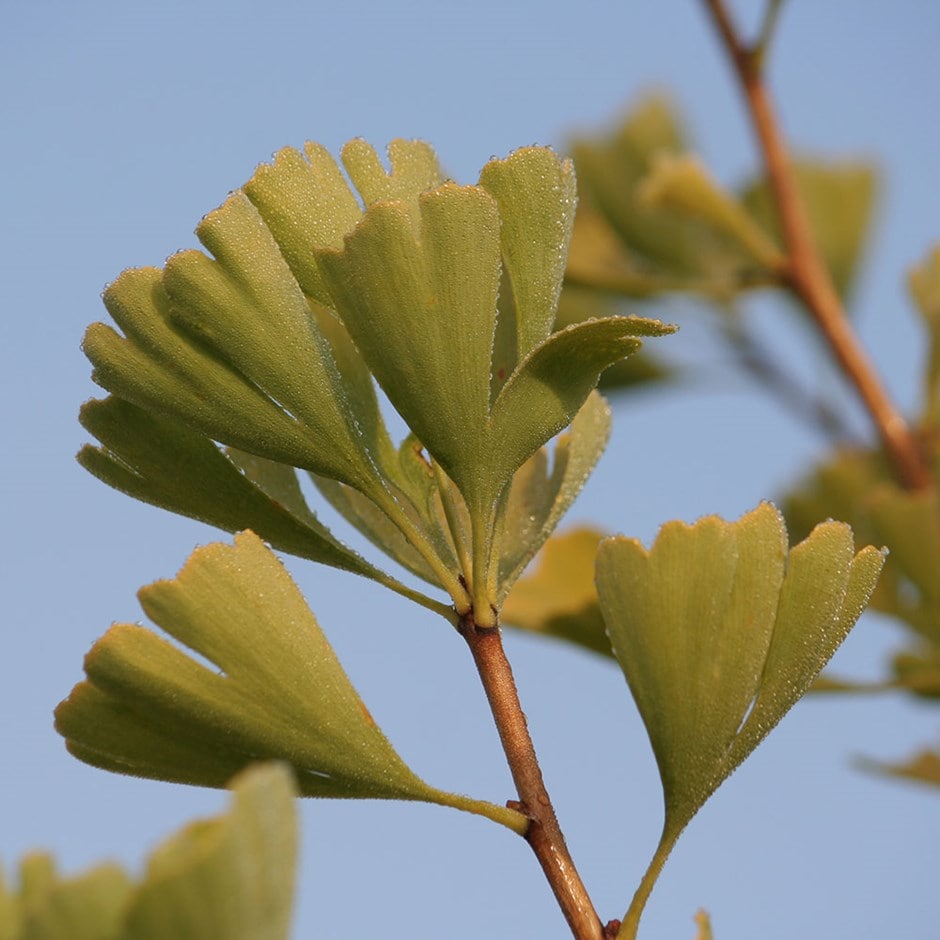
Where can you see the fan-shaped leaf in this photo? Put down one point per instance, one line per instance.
(229, 878)
(840, 200)
(148, 708)
(719, 631)
(164, 463)
(559, 598)
(682, 184)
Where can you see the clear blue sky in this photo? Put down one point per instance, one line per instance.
(122, 123)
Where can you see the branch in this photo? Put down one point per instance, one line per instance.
(806, 274)
(544, 834)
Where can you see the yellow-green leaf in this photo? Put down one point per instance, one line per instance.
(535, 192)
(164, 463)
(421, 308)
(840, 199)
(924, 285)
(226, 878)
(537, 501)
(923, 767)
(229, 878)
(89, 906)
(273, 690)
(719, 631)
(558, 598)
(684, 185)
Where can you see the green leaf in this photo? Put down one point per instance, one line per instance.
(273, 690)
(414, 170)
(228, 348)
(535, 192)
(161, 462)
(558, 598)
(369, 519)
(840, 200)
(719, 631)
(229, 878)
(549, 387)
(539, 499)
(423, 313)
(684, 185)
(305, 201)
(657, 249)
(923, 767)
(418, 295)
(640, 370)
(89, 906)
(161, 369)
(924, 286)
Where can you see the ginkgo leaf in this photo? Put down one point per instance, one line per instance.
(228, 347)
(840, 201)
(683, 184)
(550, 385)
(719, 631)
(535, 192)
(658, 248)
(164, 463)
(414, 170)
(923, 767)
(924, 285)
(418, 293)
(271, 344)
(88, 906)
(148, 708)
(418, 306)
(228, 878)
(361, 512)
(307, 203)
(558, 598)
(538, 500)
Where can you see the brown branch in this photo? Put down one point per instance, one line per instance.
(544, 834)
(805, 273)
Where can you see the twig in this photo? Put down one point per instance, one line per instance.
(758, 361)
(544, 834)
(806, 273)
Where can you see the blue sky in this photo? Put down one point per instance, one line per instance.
(124, 122)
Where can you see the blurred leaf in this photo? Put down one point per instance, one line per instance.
(719, 631)
(653, 248)
(841, 488)
(558, 598)
(230, 878)
(840, 200)
(89, 906)
(684, 185)
(924, 285)
(923, 767)
(150, 710)
(918, 672)
(704, 926)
